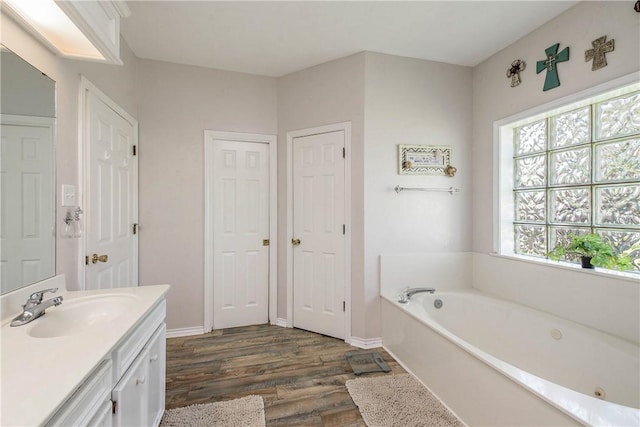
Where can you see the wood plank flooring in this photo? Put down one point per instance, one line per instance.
(299, 374)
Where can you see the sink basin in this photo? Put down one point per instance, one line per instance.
(79, 314)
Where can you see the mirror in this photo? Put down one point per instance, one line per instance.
(27, 179)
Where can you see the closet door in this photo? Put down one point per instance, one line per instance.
(319, 233)
(240, 233)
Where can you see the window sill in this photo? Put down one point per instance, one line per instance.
(603, 272)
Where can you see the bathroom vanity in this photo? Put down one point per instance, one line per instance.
(98, 359)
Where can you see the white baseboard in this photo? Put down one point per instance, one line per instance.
(366, 342)
(185, 332)
(280, 322)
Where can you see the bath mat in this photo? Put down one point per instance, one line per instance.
(399, 400)
(363, 362)
(243, 412)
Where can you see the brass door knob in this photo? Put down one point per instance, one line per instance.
(102, 258)
(295, 242)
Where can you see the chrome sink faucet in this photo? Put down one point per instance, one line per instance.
(407, 293)
(35, 307)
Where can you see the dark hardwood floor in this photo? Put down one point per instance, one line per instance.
(299, 374)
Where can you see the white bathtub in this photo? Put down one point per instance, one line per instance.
(498, 363)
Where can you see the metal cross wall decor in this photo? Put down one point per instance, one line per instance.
(600, 47)
(552, 80)
(514, 71)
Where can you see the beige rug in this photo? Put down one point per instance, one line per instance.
(399, 400)
(244, 412)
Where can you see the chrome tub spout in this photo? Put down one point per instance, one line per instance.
(406, 294)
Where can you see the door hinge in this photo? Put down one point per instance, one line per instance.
(114, 406)
(344, 229)
(344, 306)
(135, 228)
(265, 242)
(86, 260)
(344, 153)
(135, 150)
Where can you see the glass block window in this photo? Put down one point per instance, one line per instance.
(578, 172)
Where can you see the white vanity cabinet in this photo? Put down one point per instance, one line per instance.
(157, 375)
(128, 387)
(105, 358)
(90, 404)
(139, 395)
(139, 373)
(131, 394)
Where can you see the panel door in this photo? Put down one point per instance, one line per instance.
(318, 221)
(240, 228)
(27, 190)
(112, 198)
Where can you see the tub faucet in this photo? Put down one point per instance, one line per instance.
(35, 307)
(407, 293)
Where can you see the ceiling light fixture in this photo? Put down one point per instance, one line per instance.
(80, 29)
(53, 27)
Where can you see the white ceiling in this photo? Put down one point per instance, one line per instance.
(274, 38)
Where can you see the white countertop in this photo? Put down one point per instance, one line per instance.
(39, 374)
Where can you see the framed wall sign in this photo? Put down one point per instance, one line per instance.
(424, 159)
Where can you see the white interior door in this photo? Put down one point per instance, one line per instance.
(27, 191)
(240, 233)
(318, 233)
(111, 204)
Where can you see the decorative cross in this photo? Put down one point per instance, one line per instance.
(552, 80)
(517, 67)
(600, 47)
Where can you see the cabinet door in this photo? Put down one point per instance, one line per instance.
(157, 364)
(131, 392)
(103, 417)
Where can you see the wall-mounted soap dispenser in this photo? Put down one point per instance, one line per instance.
(72, 223)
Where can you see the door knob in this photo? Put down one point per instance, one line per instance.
(295, 242)
(102, 258)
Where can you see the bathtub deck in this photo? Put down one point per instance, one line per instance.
(299, 374)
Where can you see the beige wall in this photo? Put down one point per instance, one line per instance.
(494, 99)
(177, 104)
(389, 101)
(118, 82)
(325, 94)
(411, 101)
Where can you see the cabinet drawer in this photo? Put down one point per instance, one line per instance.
(131, 346)
(87, 401)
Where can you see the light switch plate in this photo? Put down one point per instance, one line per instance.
(68, 195)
